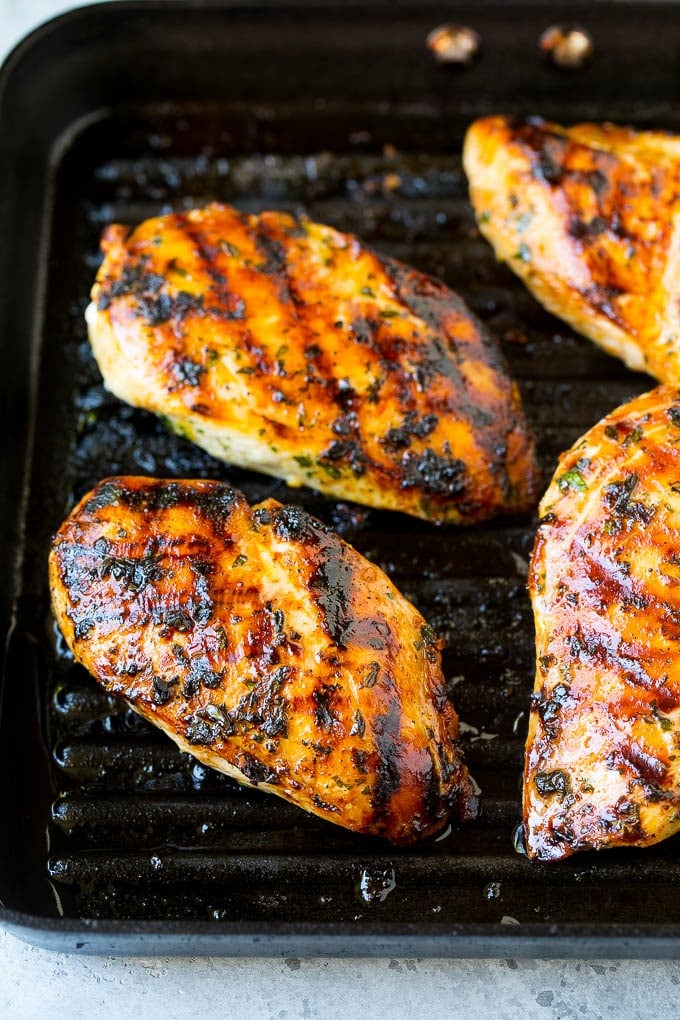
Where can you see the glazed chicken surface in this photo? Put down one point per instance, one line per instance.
(265, 646)
(283, 345)
(589, 218)
(603, 751)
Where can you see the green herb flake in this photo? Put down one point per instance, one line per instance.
(304, 461)
(240, 560)
(611, 432)
(332, 470)
(341, 783)
(553, 782)
(230, 249)
(485, 217)
(524, 220)
(389, 313)
(373, 391)
(428, 634)
(635, 436)
(523, 253)
(367, 291)
(572, 480)
(371, 677)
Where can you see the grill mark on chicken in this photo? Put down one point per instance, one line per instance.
(274, 262)
(303, 353)
(225, 304)
(647, 765)
(390, 749)
(266, 647)
(552, 157)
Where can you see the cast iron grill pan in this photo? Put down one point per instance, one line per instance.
(112, 823)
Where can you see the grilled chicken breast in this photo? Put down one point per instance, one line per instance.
(603, 751)
(267, 647)
(589, 218)
(286, 346)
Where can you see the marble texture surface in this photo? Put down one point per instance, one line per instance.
(36, 983)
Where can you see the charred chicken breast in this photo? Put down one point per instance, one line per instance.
(603, 758)
(267, 647)
(288, 347)
(589, 218)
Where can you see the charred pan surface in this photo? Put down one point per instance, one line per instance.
(286, 346)
(603, 751)
(265, 646)
(589, 218)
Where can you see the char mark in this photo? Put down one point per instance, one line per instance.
(168, 307)
(645, 764)
(625, 660)
(323, 805)
(547, 149)
(188, 372)
(348, 451)
(135, 572)
(293, 524)
(202, 674)
(133, 279)
(162, 690)
(215, 503)
(586, 229)
(255, 771)
(274, 264)
(617, 499)
(325, 716)
(411, 427)
(108, 493)
(264, 706)
(434, 474)
(432, 797)
(389, 747)
(227, 305)
(439, 308)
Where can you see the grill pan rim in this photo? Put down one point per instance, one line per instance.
(237, 938)
(341, 939)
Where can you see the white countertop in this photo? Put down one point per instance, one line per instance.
(35, 983)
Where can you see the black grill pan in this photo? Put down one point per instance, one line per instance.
(111, 839)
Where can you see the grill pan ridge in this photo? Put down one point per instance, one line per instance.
(112, 839)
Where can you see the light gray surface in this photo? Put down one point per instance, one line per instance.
(35, 983)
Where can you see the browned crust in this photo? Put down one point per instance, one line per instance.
(603, 751)
(355, 374)
(267, 646)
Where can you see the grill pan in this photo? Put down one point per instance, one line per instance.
(111, 839)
